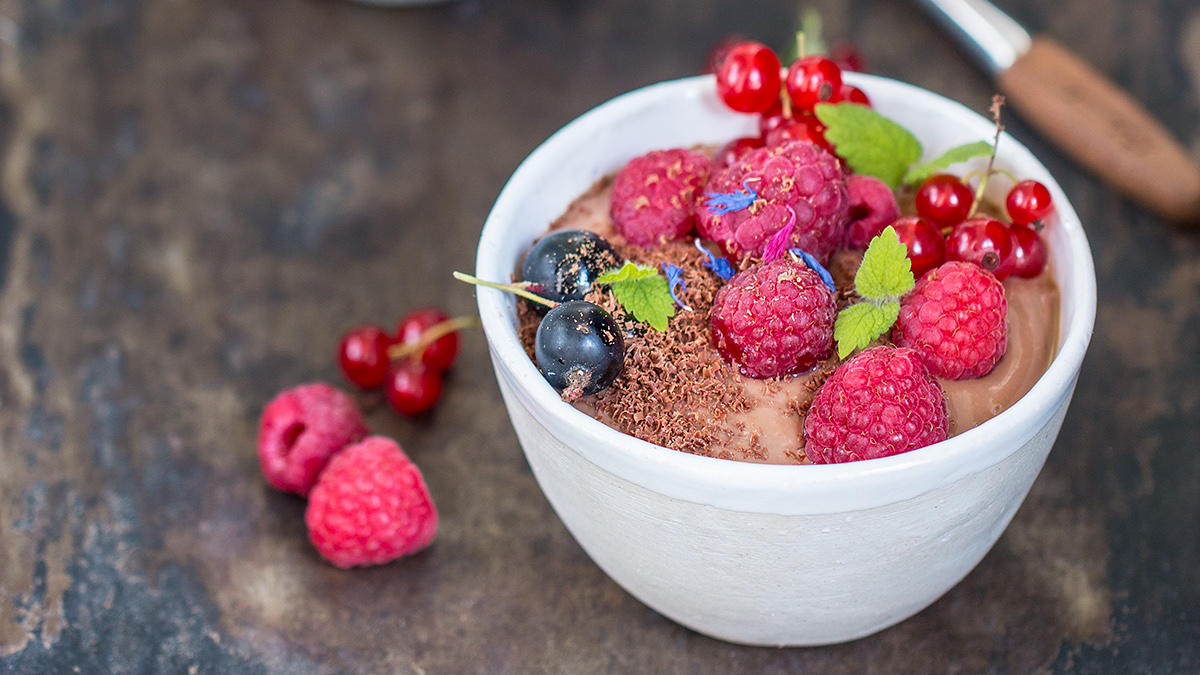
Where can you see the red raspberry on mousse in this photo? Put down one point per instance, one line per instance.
(654, 196)
(956, 318)
(880, 402)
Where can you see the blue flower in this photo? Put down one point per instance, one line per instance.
(816, 267)
(675, 278)
(720, 203)
(720, 266)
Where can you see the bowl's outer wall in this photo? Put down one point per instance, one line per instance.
(743, 561)
(768, 579)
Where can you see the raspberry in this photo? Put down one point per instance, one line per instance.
(956, 317)
(654, 196)
(370, 506)
(301, 428)
(795, 174)
(872, 208)
(881, 402)
(774, 319)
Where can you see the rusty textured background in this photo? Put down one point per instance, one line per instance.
(198, 197)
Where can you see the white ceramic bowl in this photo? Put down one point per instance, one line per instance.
(759, 554)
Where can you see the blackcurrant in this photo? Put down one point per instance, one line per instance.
(565, 263)
(579, 348)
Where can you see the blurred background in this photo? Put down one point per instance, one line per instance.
(198, 198)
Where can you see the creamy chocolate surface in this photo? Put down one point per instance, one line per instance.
(677, 391)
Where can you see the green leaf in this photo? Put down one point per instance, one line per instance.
(869, 142)
(859, 324)
(959, 153)
(643, 292)
(886, 271)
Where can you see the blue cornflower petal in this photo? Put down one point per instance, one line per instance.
(675, 278)
(720, 266)
(720, 203)
(816, 267)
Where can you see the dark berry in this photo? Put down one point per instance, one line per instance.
(363, 356)
(944, 200)
(812, 80)
(579, 348)
(926, 246)
(440, 353)
(564, 264)
(412, 387)
(985, 242)
(1028, 202)
(748, 80)
(1029, 251)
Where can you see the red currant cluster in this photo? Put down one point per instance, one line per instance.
(750, 79)
(944, 229)
(410, 364)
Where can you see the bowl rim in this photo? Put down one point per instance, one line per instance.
(770, 487)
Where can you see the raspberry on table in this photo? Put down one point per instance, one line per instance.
(795, 174)
(872, 208)
(956, 318)
(774, 319)
(300, 429)
(654, 196)
(881, 402)
(370, 506)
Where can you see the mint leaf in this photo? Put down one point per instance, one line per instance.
(869, 142)
(886, 271)
(859, 324)
(959, 153)
(643, 292)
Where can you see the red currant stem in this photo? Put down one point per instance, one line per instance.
(519, 288)
(433, 334)
(1008, 174)
(997, 104)
(785, 102)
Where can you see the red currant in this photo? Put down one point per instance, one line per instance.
(772, 118)
(926, 246)
(440, 353)
(985, 242)
(736, 149)
(1027, 202)
(748, 80)
(853, 94)
(802, 128)
(412, 387)
(1029, 251)
(720, 49)
(944, 200)
(848, 57)
(812, 80)
(363, 356)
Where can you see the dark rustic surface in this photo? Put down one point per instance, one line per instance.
(198, 197)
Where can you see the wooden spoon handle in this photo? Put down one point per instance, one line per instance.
(1104, 129)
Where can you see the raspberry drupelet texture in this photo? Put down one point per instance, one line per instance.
(880, 402)
(774, 319)
(795, 174)
(654, 196)
(300, 429)
(370, 506)
(872, 208)
(956, 318)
